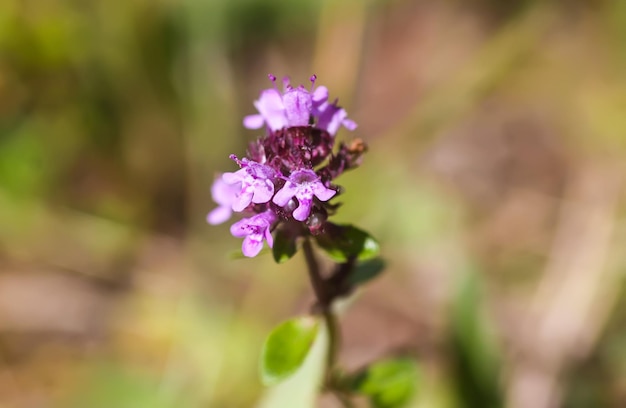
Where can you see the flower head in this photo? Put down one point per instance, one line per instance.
(296, 106)
(224, 195)
(287, 174)
(303, 184)
(254, 230)
(255, 181)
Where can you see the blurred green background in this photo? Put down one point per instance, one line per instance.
(494, 183)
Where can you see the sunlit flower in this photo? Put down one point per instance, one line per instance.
(303, 184)
(254, 230)
(224, 195)
(294, 107)
(255, 181)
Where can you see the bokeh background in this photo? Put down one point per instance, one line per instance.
(494, 183)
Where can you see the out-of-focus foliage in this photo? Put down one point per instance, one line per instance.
(496, 135)
(286, 348)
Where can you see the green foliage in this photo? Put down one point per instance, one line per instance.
(388, 383)
(366, 271)
(286, 348)
(302, 388)
(344, 242)
(284, 246)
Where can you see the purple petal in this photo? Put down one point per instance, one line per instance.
(298, 106)
(253, 121)
(222, 192)
(243, 200)
(219, 215)
(269, 238)
(321, 192)
(302, 212)
(320, 95)
(284, 195)
(251, 247)
(349, 124)
(331, 119)
(234, 178)
(240, 228)
(263, 191)
(270, 106)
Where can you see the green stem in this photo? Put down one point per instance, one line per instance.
(324, 301)
(319, 286)
(332, 325)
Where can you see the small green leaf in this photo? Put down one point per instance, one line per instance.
(389, 383)
(284, 246)
(344, 242)
(366, 271)
(286, 348)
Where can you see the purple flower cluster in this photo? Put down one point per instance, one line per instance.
(287, 174)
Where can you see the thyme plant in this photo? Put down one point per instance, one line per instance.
(285, 189)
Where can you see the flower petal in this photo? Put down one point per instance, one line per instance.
(243, 200)
(234, 178)
(240, 228)
(263, 191)
(222, 192)
(269, 238)
(251, 247)
(284, 194)
(270, 106)
(349, 124)
(253, 121)
(304, 209)
(219, 215)
(298, 105)
(320, 95)
(321, 192)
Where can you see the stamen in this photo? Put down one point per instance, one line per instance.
(286, 83)
(273, 79)
(241, 163)
(313, 79)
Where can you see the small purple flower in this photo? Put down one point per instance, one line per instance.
(303, 184)
(255, 181)
(271, 111)
(254, 230)
(292, 108)
(298, 104)
(224, 195)
(331, 116)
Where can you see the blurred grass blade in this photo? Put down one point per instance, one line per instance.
(473, 349)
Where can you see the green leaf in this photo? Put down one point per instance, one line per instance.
(284, 246)
(301, 389)
(286, 348)
(366, 271)
(344, 242)
(389, 383)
